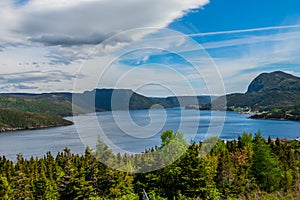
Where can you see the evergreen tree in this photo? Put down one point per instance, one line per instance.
(265, 168)
(6, 191)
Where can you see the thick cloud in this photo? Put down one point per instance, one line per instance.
(69, 22)
(68, 40)
(59, 34)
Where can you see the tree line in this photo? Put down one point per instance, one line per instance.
(247, 168)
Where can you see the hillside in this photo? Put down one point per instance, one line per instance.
(274, 81)
(268, 91)
(23, 111)
(110, 99)
(274, 95)
(60, 104)
(183, 100)
(11, 120)
(44, 103)
(263, 101)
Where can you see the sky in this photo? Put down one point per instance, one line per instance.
(157, 48)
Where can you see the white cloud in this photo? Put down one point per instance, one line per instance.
(69, 22)
(50, 38)
(44, 35)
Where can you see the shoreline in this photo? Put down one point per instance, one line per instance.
(253, 115)
(10, 129)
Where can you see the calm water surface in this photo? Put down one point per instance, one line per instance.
(144, 133)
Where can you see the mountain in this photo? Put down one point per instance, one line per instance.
(23, 111)
(275, 81)
(124, 99)
(51, 104)
(268, 91)
(274, 95)
(60, 104)
(110, 99)
(11, 120)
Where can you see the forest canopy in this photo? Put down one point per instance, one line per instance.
(248, 168)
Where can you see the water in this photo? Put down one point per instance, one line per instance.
(143, 134)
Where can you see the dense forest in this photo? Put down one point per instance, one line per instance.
(248, 168)
(11, 120)
(42, 104)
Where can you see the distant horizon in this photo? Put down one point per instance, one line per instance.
(70, 92)
(151, 96)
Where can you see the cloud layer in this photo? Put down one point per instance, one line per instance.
(57, 35)
(43, 44)
(69, 22)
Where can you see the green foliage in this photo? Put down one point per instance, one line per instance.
(5, 190)
(250, 168)
(275, 92)
(274, 81)
(265, 167)
(14, 120)
(41, 104)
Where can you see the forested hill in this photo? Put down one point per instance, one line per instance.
(274, 81)
(60, 104)
(111, 99)
(51, 104)
(268, 91)
(11, 120)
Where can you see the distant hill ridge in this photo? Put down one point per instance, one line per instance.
(60, 104)
(267, 91)
(26, 111)
(276, 91)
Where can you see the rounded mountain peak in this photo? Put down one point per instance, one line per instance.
(274, 81)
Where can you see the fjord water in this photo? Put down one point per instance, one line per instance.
(38, 142)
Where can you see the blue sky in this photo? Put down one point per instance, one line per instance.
(239, 14)
(20, 2)
(233, 15)
(194, 47)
